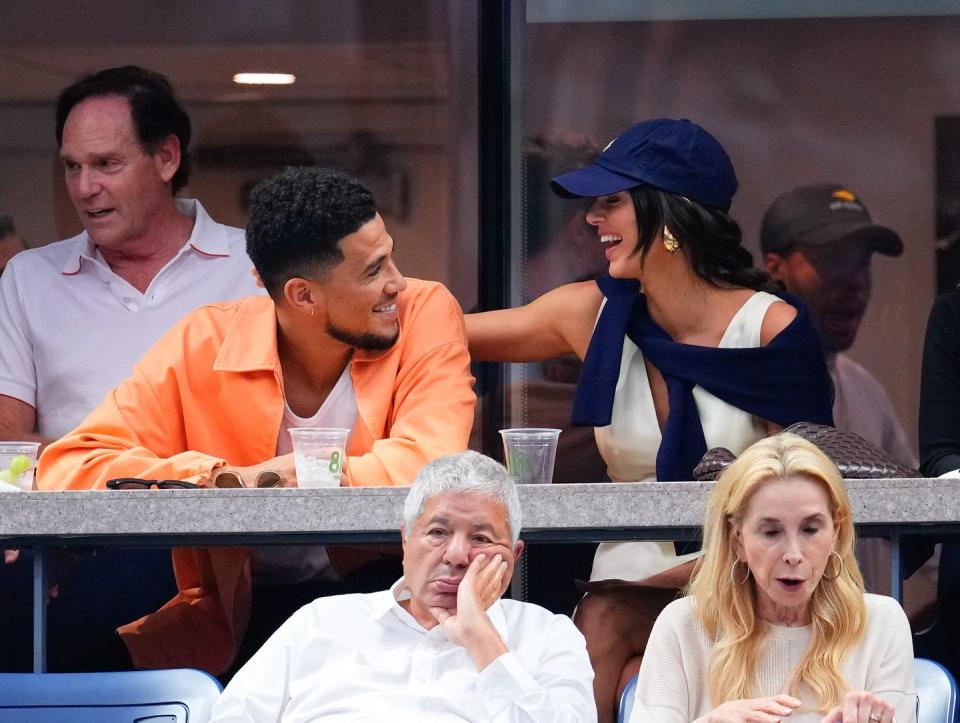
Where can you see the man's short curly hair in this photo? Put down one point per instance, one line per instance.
(297, 219)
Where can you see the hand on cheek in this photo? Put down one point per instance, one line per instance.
(490, 578)
(470, 627)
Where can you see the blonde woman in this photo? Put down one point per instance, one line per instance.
(777, 626)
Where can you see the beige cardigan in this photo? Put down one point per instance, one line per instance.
(672, 685)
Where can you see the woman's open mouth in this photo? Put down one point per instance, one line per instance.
(790, 584)
(609, 241)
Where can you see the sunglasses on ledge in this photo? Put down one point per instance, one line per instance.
(231, 480)
(135, 483)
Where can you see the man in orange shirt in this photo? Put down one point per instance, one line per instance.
(343, 340)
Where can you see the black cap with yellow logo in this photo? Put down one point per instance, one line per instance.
(821, 214)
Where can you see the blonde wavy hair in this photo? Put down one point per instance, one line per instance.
(728, 612)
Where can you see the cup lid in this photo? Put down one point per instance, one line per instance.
(531, 431)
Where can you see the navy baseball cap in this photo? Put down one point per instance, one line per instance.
(673, 155)
(820, 214)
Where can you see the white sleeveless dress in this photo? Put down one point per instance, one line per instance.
(630, 442)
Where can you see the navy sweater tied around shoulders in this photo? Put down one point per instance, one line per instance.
(784, 382)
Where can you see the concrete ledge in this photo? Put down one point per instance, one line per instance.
(618, 508)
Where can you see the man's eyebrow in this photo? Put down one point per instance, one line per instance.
(375, 263)
(383, 257)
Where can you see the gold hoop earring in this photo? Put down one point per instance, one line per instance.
(670, 241)
(733, 572)
(839, 567)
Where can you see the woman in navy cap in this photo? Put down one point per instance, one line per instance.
(685, 348)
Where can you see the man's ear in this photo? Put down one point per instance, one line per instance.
(773, 265)
(301, 294)
(167, 158)
(517, 550)
(403, 538)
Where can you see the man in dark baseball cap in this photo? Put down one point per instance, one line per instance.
(819, 240)
(820, 214)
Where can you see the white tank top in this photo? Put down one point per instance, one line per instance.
(290, 564)
(629, 444)
(339, 409)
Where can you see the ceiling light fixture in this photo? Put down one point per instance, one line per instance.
(264, 78)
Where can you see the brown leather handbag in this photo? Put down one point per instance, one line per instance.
(855, 457)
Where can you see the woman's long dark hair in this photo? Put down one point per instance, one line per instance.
(711, 240)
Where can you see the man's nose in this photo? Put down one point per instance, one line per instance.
(849, 272)
(396, 283)
(858, 281)
(86, 183)
(458, 551)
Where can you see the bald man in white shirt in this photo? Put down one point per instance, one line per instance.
(440, 644)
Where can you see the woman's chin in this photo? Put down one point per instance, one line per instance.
(624, 269)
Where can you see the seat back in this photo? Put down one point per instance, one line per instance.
(141, 696)
(626, 700)
(936, 692)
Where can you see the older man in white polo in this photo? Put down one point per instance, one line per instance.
(440, 645)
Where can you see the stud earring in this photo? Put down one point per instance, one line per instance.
(670, 241)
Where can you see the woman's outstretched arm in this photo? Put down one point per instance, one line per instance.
(559, 322)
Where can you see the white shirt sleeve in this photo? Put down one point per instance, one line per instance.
(558, 690)
(259, 692)
(18, 376)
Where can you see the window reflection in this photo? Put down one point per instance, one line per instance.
(383, 89)
(795, 101)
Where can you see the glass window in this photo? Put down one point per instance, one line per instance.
(386, 90)
(798, 93)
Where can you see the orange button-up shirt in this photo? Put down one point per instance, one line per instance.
(209, 393)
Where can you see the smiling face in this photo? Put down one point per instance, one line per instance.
(616, 223)
(785, 536)
(450, 532)
(360, 293)
(834, 282)
(117, 188)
